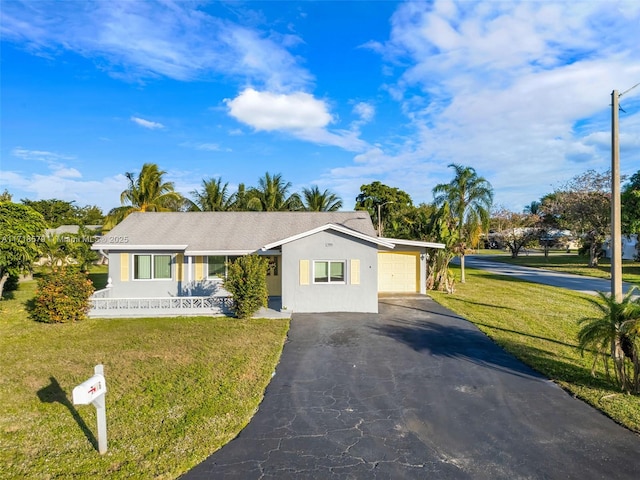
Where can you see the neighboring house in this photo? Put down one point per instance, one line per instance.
(318, 261)
(629, 247)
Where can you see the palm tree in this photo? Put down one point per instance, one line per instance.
(271, 195)
(146, 193)
(469, 197)
(615, 333)
(317, 201)
(213, 197)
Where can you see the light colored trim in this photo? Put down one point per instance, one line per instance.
(206, 253)
(304, 272)
(413, 243)
(124, 267)
(355, 271)
(329, 282)
(127, 246)
(330, 226)
(153, 278)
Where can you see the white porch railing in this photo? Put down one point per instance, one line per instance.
(102, 306)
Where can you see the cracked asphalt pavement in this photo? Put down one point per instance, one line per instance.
(415, 392)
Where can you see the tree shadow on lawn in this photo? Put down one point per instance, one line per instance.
(551, 365)
(452, 336)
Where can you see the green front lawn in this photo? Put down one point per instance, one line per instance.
(178, 389)
(572, 263)
(539, 325)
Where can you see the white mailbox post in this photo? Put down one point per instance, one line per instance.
(92, 391)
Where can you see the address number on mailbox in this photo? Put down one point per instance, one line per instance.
(88, 391)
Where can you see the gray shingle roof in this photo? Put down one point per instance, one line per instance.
(224, 231)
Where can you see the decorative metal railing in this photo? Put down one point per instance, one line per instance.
(104, 306)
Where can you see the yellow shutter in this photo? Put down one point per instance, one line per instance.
(180, 267)
(355, 272)
(199, 268)
(124, 267)
(304, 272)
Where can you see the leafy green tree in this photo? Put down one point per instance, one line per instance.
(517, 231)
(615, 334)
(60, 212)
(69, 249)
(272, 195)
(213, 197)
(247, 283)
(442, 228)
(148, 192)
(21, 229)
(238, 202)
(469, 197)
(388, 207)
(6, 196)
(630, 200)
(533, 208)
(317, 201)
(583, 205)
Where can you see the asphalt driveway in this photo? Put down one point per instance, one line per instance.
(416, 392)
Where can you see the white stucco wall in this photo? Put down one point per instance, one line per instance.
(347, 297)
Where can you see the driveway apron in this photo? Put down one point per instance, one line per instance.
(416, 392)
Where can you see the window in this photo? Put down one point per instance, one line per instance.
(217, 265)
(329, 271)
(147, 267)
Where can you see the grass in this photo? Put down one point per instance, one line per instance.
(178, 389)
(573, 263)
(539, 325)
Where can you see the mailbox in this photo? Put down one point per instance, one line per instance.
(88, 391)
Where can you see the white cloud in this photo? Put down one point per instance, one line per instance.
(39, 155)
(365, 112)
(298, 114)
(274, 111)
(147, 123)
(139, 40)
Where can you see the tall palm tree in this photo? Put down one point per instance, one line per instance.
(213, 197)
(317, 201)
(272, 195)
(469, 197)
(615, 334)
(148, 192)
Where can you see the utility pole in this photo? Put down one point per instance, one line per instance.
(616, 225)
(616, 228)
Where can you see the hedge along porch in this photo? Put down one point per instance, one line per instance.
(318, 261)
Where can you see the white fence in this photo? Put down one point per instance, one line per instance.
(102, 306)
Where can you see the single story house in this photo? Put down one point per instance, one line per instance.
(318, 261)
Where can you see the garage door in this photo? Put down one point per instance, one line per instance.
(398, 272)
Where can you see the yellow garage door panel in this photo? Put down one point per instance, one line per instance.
(398, 272)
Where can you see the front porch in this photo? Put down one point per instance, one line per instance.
(104, 306)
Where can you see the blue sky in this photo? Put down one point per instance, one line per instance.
(331, 93)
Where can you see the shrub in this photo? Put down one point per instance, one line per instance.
(247, 283)
(62, 296)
